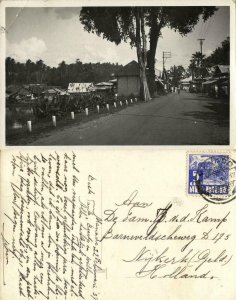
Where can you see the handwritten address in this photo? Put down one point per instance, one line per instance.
(169, 245)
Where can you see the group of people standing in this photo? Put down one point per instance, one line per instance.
(173, 89)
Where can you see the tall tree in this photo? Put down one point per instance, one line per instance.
(29, 66)
(197, 58)
(140, 43)
(116, 24)
(10, 70)
(181, 19)
(29, 72)
(176, 74)
(197, 65)
(62, 70)
(40, 68)
(221, 55)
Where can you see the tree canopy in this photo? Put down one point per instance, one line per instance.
(117, 24)
(176, 74)
(200, 62)
(38, 72)
(221, 55)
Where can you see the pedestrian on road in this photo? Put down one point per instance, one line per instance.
(216, 90)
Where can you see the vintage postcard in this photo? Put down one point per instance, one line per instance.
(121, 76)
(151, 213)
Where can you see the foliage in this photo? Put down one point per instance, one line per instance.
(30, 72)
(61, 105)
(122, 25)
(221, 55)
(176, 73)
(197, 65)
(117, 24)
(196, 59)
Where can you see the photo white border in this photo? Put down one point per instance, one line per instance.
(78, 3)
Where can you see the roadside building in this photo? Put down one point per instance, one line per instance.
(160, 85)
(104, 87)
(81, 87)
(128, 80)
(185, 83)
(218, 84)
(51, 93)
(18, 93)
(37, 88)
(114, 81)
(159, 82)
(196, 85)
(165, 76)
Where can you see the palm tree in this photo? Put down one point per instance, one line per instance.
(196, 64)
(198, 58)
(40, 67)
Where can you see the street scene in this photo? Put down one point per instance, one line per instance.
(164, 79)
(180, 118)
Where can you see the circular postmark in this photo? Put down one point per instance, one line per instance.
(216, 179)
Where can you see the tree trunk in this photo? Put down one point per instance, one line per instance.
(154, 36)
(141, 54)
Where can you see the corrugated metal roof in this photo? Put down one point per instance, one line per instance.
(102, 88)
(210, 82)
(83, 87)
(186, 79)
(223, 68)
(50, 91)
(104, 84)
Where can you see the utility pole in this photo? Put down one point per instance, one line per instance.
(165, 55)
(201, 43)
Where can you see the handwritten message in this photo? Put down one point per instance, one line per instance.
(53, 230)
(168, 243)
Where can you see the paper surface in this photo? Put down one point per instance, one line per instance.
(97, 225)
(112, 223)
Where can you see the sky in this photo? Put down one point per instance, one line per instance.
(56, 34)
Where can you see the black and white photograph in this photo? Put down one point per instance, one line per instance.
(129, 75)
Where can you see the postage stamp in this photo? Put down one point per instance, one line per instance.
(210, 171)
(212, 176)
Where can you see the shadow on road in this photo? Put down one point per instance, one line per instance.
(217, 113)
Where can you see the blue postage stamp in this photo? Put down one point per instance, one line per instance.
(210, 172)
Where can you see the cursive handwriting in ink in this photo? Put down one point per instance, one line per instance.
(160, 217)
(54, 233)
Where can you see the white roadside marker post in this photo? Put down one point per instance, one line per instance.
(120, 103)
(115, 104)
(29, 126)
(72, 115)
(54, 121)
(98, 108)
(131, 101)
(107, 107)
(126, 101)
(86, 111)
